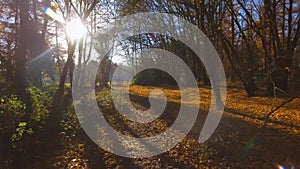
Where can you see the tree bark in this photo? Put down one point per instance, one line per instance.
(20, 55)
(67, 67)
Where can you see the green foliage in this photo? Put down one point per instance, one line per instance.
(12, 110)
(20, 131)
(104, 99)
(70, 124)
(41, 101)
(154, 77)
(22, 124)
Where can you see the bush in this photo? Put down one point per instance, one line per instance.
(154, 77)
(12, 111)
(14, 117)
(41, 102)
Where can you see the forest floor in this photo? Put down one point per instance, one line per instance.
(240, 141)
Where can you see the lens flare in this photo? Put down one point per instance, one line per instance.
(42, 55)
(54, 15)
(278, 166)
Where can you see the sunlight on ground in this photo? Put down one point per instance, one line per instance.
(238, 104)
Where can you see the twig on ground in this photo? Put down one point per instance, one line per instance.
(277, 108)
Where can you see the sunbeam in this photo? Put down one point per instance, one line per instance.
(45, 53)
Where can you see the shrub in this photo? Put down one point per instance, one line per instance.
(14, 117)
(12, 111)
(41, 101)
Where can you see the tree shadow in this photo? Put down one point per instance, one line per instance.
(250, 144)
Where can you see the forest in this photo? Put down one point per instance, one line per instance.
(180, 83)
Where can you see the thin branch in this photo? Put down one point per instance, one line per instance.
(277, 108)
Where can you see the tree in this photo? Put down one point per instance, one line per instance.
(8, 39)
(277, 26)
(22, 46)
(87, 8)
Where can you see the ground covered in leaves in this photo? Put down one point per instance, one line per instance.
(240, 141)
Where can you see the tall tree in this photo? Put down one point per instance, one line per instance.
(21, 50)
(277, 26)
(69, 66)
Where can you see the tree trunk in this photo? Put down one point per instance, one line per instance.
(279, 79)
(250, 87)
(20, 55)
(67, 67)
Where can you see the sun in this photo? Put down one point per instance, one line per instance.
(75, 29)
